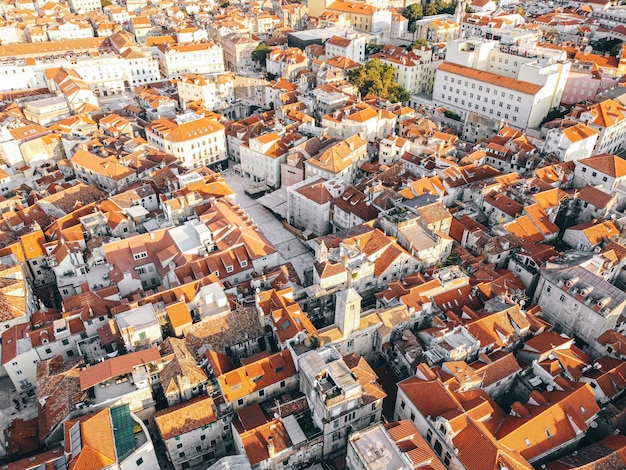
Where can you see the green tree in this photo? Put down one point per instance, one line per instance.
(260, 54)
(372, 48)
(554, 113)
(451, 115)
(416, 43)
(413, 13)
(378, 79)
(445, 7)
(431, 9)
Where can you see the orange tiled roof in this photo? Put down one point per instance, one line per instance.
(185, 417)
(610, 165)
(492, 78)
(257, 375)
(116, 366)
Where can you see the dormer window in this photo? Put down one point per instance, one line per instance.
(243, 263)
(137, 256)
(230, 269)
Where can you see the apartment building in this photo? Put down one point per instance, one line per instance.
(238, 50)
(351, 46)
(261, 158)
(106, 173)
(259, 380)
(196, 141)
(272, 444)
(499, 82)
(363, 16)
(604, 171)
(341, 160)
(580, 302)
(396, 445)
(203, 57)
(287, 63)
(192, 433)
(608, 117)
(343, 397)
(569, 141)
(215, 92)
(360, 118)
(80, 7)
(415, 68)
(308, 204)
(103, 439)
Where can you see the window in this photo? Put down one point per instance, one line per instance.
(240, 401)
(203, 437)
(373, 406)
(185, 465)
(350, 344)
(70, 353)
(198, 448)
(412, 416)
(181, 454)
(438, 447)
(548, 289)
(261, 393)
(429, 435)
(605, 179)
(142, 335)
(282, 384)
(402, 404)
(139, 461)
(65, 342)
(178, 446)
(446, 459)
(562, 298)
(548, 433)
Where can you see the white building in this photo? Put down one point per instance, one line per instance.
(261, 159)
(570, 143)
(603, 171)
(192, 433)
(351, 46)
(214, 91)
(415, 69)
(609, 118)
(204, 57)
(194, 140)
(83, 6)
(580, 302)
(499, 82)
(308, 204)
(19, 359)
(342, 399)
(139, 328)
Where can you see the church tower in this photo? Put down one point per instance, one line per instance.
(461, 6)
(348, 311)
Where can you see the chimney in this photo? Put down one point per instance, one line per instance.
(270, 447)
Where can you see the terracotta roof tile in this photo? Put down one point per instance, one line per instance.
(185, 417)
(256, 376)
(116, 366)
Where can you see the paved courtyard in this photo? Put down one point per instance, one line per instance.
(290, 247)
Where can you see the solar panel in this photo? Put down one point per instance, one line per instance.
(123, 430)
